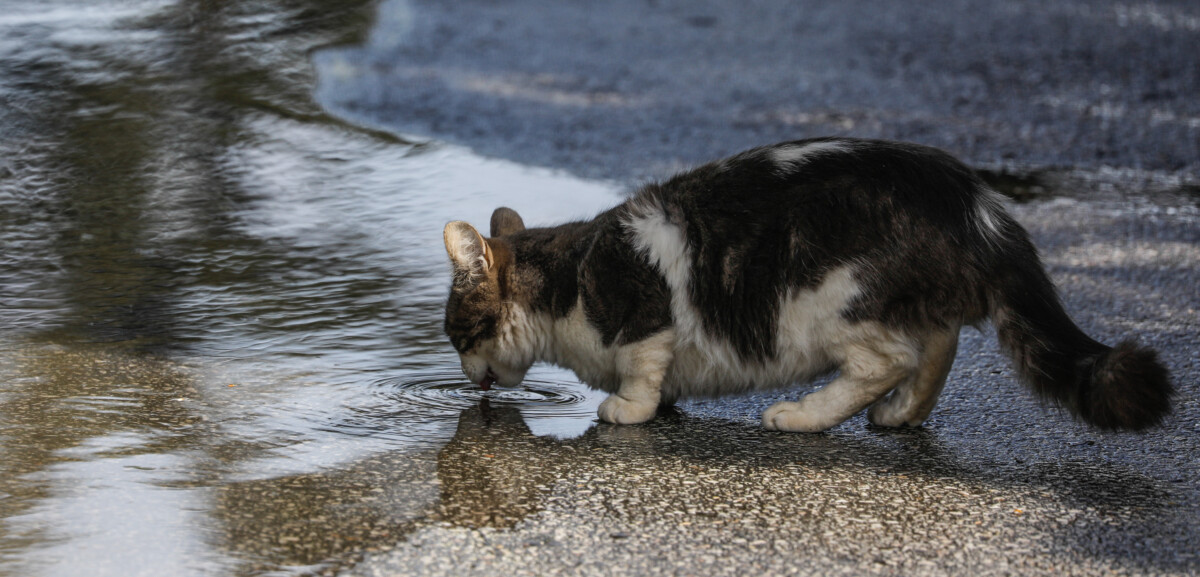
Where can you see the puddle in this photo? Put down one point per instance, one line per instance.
(213, 285)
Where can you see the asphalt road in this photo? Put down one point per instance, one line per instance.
(638, 88)
(1090, 104)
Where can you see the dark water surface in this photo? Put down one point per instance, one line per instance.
(220, 332)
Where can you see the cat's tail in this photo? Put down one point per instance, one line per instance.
(1122, 387)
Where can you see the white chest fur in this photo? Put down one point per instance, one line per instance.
(577, 345)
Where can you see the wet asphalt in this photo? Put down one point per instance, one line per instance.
(636, 89)
(1083, 110)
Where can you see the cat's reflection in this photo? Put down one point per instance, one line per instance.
(494, 471)
(490, 474)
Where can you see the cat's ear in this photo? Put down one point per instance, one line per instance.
(506, 221)
(470, 253)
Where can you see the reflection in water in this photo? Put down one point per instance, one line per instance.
(83, 430)
(120, 120)
(205, 275)
(491, 474)
(494, 471)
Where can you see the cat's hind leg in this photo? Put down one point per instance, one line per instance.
(871, 368)
(913, 400)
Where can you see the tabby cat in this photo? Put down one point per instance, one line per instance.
(774, 267)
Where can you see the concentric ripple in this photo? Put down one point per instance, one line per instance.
(441, 391)
(425, 407)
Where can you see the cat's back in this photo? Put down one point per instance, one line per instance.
(734, 236)
(843, 176)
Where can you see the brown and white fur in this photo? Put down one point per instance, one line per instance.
(776, 266)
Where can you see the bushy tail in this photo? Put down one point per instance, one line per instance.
(1117, 388)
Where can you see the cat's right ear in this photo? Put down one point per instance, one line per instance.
(469, 252)
(506, 221)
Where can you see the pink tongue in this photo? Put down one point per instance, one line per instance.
(487, 382)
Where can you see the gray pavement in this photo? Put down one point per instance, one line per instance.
(1090, 104)
(634, 89)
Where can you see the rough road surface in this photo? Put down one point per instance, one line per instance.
(634, 89)
(1090, 105)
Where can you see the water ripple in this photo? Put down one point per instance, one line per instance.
(534, 397)
(423, 408)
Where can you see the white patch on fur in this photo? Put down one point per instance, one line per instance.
(633, 372)
(575, 344)
(791, 157)
(812, 332)
(811, 337)
(665, 245)
(988, 208)
(569, 341)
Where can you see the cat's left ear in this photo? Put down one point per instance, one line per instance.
(470, 253)
(506, 221)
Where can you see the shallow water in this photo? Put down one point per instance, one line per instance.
(219, 300)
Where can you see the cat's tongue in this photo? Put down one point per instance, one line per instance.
(488, 381)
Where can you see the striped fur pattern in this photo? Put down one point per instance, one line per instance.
(776, 266)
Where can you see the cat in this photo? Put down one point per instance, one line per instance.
(779, 265)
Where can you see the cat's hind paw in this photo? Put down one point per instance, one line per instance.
(621, 411)
(885, 414)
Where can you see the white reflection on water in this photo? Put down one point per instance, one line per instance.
(103, 512)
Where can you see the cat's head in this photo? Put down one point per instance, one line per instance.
(480, 311)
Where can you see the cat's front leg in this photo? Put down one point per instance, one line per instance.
(641, 366)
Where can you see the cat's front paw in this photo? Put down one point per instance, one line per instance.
(793, 418)
(616, 409)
